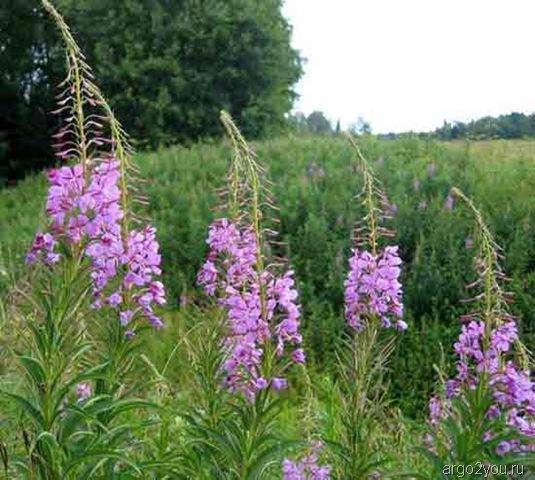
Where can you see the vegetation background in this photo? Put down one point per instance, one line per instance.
(168, 68)
(314, 184)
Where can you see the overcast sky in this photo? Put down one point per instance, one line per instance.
(410, 64)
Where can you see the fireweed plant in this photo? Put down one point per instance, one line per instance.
(487, 411)
(308, 466)
(258, 296)
(96, 269)
(90, 202)
(373, 308)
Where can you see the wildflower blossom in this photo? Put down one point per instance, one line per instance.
(372, 288)
(391, 210)
(307, 467)
(83, 391)
(512, 390)
(185, 300)
(279, 383)
(142, 261)
(449, 203)
(260, 306)
(422, 206)
(66, 187)
(435, 410)
(88, 213)
(43, 244)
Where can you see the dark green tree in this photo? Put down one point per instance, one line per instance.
(167, 66)
(170, 66)
(318, 123)
(30, 67)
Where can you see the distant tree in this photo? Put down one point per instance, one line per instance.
(360, 127)
(298, 122)
(458, 130)
(318, 123)
(363, 127)
(444, 132)
(169, 67)
(512, 125)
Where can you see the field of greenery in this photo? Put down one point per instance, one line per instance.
(315, 181)
(306, 307)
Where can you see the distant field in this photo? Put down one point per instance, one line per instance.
(314, 184)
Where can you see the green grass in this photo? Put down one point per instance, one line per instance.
(315, 181)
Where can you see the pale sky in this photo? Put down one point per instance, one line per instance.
(410, 64)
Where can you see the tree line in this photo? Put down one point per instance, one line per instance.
(512, 125)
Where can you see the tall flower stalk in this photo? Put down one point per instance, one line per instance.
(90, 204)
(95, 286)
(372, 303)
(261, 333)
(487, 411)
(262, 310)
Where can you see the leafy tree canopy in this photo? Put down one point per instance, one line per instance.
(167, 66)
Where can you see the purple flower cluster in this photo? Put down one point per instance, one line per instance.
(83, 391)
(307, 467)
(43, 246)
(142, 260)
(235, 250)
(66, 188)
(513, 391)
(88, 213)
(260, 306)
(372, 287)
(99, 219)
(436, 411)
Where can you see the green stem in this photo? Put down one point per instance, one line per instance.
(80, 117)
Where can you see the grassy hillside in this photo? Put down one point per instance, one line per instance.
(314, 185)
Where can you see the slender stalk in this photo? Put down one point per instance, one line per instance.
(75, 71)
(494, 310)
(373, 197)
